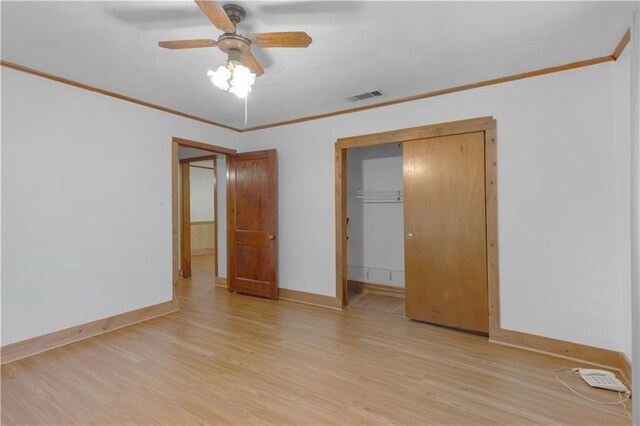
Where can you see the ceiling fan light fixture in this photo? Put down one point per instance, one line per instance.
(243, 75)
(234, 77)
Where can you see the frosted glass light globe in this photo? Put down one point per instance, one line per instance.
(220, 78)
(242, 76)
(240, 90)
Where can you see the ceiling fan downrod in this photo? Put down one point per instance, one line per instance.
(235, 13)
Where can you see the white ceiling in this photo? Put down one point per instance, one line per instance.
(185, 152)
(401, 48)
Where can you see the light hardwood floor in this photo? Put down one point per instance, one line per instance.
(233, 359)
(377, 302)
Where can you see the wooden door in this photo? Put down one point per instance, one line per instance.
(445, 231)
(253, 223)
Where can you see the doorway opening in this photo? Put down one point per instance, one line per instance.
(200, 197)
(244, 211)
(199, 211)
(448, 200)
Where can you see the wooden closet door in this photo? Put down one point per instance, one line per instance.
(445, 231)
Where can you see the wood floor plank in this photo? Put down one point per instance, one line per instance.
(378, 302)
(226, 358)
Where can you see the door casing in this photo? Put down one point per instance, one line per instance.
(484, 124)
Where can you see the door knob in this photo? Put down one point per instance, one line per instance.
(409, 236)
(271, 237)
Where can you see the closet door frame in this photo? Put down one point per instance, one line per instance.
(483, 124)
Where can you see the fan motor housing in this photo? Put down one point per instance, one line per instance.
(228, 42)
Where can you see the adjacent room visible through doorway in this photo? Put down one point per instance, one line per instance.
(200, 214)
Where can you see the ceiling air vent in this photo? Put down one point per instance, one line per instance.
(367, 95)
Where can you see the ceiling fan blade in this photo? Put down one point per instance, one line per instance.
(216, 14)
(187, 44)
(252, 63)
(285, 39)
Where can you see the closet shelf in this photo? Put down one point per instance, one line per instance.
(392, 196)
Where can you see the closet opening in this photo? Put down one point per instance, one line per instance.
(375, 231)
(416, 217)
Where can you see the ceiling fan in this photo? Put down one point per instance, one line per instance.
(236, 46)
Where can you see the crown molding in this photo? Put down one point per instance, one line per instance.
(624, 41)
(565, 67)
(111, 94)
(622, 44)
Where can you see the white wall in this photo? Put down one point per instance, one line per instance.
(201, 182)
(85, 234)
(557, 202)
(622, 144)
(221, 172)
(82, 233)
(376, 226)
(634, 48)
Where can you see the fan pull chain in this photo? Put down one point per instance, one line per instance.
(246, 99)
